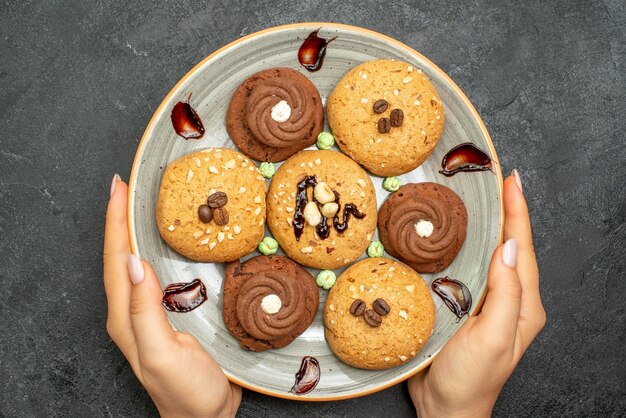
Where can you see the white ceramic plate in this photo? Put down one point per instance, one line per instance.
(212, 83)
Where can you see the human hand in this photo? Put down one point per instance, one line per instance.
(468, 374)
(182, 379)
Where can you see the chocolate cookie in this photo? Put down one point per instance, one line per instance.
(274, 114)
(321, 207)
(386, 115)
(424, 225)
(211, 205)
(268, 301)
(379, 314)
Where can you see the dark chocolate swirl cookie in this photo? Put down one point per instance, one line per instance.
(424, 225)
(268, 301)
(266, 101)
(274, 114)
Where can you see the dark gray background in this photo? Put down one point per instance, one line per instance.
(79, 81)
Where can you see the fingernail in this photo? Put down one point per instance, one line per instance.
(517, 180)
(509, 253)
(135, 269)
(116, 178)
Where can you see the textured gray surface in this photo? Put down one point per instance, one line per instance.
(79, 82)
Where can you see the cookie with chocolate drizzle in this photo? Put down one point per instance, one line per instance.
(424, 225)
(274, 114)
(322, 209)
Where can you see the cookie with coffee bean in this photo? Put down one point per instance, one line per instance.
(379, 314)
(386, 115)
(321, 207)
(211, 205)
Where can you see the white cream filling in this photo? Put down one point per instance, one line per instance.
(424, 228)
(271, 304)
(281, 111)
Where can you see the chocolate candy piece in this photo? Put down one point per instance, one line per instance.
(186, 121)
(217, 200)
(357, 308)
(465, 157)
(184, 297)
(380, 106)
(313, 50)
(307, 377)
(455, 294)
(384, 125)
(220, 216)
(205, 214)
(381, 306)
(397, 117)
(372, 318)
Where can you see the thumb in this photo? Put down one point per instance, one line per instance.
(153, 332)
(500, 313)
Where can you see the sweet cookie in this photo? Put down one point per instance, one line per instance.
(274, 114)
(321, 207)
(379, 314)
(424, 225)
(386, 115)
(268, 301)
(211, 205)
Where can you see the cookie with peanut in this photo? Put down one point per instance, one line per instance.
(321, 207)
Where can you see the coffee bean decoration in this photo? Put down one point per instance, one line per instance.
(372, 318)
(397, 117)
(384, 125)
(217, 200)
(380, 106)
(357, 308)
(220, 216)
(205, 214)
(381, 306)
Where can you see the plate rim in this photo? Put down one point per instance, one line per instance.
(132, 181)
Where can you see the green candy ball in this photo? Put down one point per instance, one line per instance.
(325, 140)
(268, 246)
(392, 184)
(267, 170)
(376, 249)
(326, 279)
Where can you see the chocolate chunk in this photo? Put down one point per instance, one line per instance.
(217, 200)
(205, 214)
(384, 125)
(381, 306)
(357, 308)
(397, 117)
(380, 106)
(220, 216)
(372, 318)
(184, 297)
